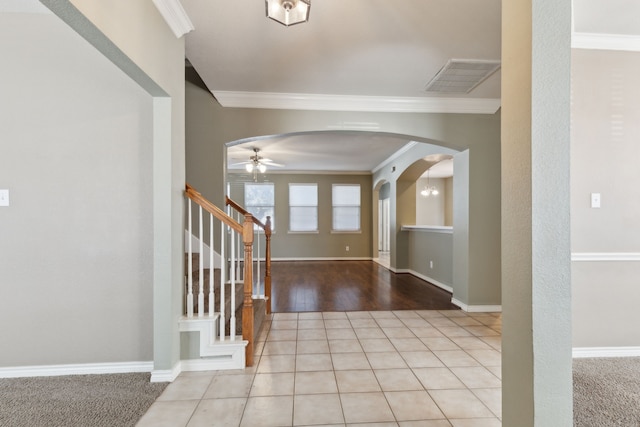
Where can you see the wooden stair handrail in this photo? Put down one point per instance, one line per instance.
(246, 230)
(213, 209)
(243, 211)
(267, 235)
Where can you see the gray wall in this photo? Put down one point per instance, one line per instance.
(427, 248)
(76, 270)
(448, 203)
(605, 159)
(211, 126)
(431, 210)
(536, 334)
(323, 244)
(120, 107)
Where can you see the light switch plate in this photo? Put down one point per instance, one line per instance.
(4, 197)
(595, 200)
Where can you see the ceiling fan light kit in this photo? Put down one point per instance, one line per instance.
(288, 12)
(257, 164)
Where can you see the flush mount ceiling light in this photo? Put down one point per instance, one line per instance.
(288, 12)
(462, 75)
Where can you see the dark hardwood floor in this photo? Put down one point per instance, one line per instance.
(299, 286)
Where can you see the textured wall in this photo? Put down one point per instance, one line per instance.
(76, 270)
(605, 241)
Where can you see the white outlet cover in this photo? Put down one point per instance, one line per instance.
(4, 197)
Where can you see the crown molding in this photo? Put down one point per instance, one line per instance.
(175, 16)
(384, 104)
(605, 41)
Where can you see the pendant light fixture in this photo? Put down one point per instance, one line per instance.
(429, 190)
(288, 12)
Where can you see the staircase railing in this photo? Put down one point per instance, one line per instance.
(260, 289)
(235, 228)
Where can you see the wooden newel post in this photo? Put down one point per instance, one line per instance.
(267, 267)
(247, 307)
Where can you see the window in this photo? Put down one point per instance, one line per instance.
(259, 201)
(346, 207)
(303, 207)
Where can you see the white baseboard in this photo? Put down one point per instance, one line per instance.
(477, 308)
(166, 375)
(323, 259)
(212, 364)
(76, 369)
(431, 280)
(580, 352)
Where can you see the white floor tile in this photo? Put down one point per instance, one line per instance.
(402, 368)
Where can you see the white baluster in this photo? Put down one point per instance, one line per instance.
(239, 270)
(223, 276)
(211, 267)
(256, 280)
(190, 265)
(201, 268)
(232, 290)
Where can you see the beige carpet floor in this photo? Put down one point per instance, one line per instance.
(606, 392)
(77, 400)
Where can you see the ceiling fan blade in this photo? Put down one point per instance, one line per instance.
(270, 163)
(240, 163)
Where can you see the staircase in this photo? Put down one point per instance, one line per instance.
(258, 303)
(219, 306)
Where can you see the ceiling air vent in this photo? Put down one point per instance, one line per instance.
(461, 75)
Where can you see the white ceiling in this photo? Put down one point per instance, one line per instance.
(349, 50)
(355, 47)
(356, 53)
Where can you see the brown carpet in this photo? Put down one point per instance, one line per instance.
(114, 400)
(606, 392)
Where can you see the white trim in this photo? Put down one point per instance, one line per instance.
(303, 172)
(175, 16)
(477, 308)
(205, 257)
(166, 375)
(428, 228)
(406, 147)
(605, 41)
(430, 280)
(75, 369)
(307, 101)
(215, 363)
(579, 352)
(323, 259)
(605, 256)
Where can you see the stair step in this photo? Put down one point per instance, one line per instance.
(215, 354)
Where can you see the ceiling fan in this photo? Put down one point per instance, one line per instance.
(257, 163)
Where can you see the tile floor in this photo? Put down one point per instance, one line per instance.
(383, 368)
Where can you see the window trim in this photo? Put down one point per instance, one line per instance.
(273, 206)
(333, 206)
(316, 206)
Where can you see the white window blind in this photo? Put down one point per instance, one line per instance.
(303, 207)
(346, 207)
(259, 201)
